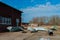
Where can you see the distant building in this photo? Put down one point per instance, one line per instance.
(9, 16)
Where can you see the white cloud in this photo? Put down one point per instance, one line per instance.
(41, 10)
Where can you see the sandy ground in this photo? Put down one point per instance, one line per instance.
(29, 36)
(14, 35)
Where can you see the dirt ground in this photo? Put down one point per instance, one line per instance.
(30, 36)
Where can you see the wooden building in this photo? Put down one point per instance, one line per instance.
(9, 16)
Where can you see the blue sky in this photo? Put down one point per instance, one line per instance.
(35, 8)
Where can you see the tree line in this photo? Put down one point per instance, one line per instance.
(44, 20)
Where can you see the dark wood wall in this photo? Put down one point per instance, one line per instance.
(9, 12)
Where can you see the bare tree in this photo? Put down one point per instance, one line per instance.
(53, 20)
(35, 20)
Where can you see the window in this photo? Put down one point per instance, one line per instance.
(4, 20)
(0, 19)
(17, 22)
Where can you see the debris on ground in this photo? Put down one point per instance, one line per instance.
(50, 32)
(40, 29)
(14, 29)
(44, 39)
(54, 27)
